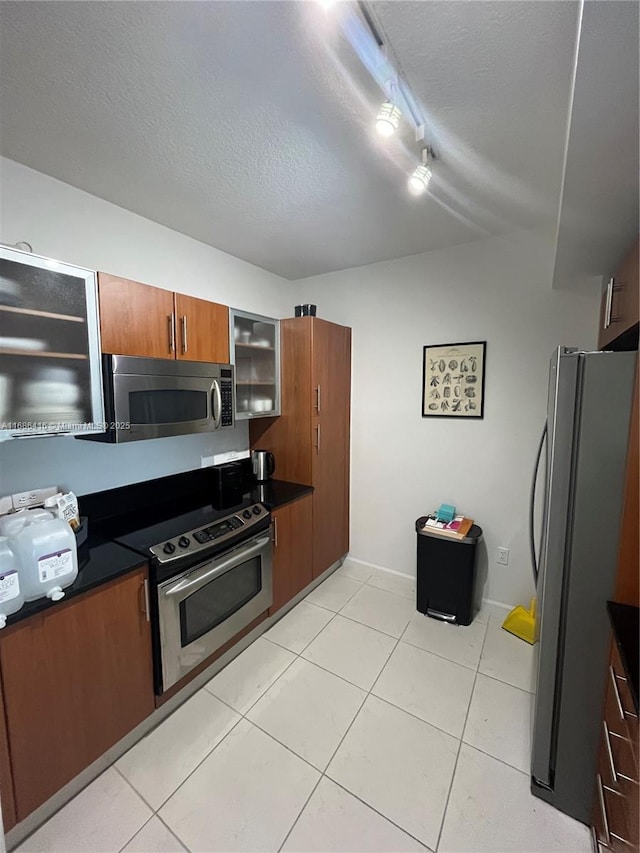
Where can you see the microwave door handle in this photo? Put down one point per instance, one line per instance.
(216, 409)
(205, 577)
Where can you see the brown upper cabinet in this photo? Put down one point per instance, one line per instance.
(619, 308)
(310, 440)
(138, 319)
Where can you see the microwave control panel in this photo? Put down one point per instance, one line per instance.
(226, 393)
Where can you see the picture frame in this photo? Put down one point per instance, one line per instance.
(453, 378)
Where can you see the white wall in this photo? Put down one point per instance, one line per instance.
(403, 465)
(65, 223)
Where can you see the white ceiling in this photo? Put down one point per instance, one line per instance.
(599, 213)
(247, 125)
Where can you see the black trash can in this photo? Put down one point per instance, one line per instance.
(446, 574)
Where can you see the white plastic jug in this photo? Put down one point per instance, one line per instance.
(11, 597)
(47, 556)
(15, 521)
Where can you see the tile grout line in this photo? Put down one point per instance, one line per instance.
(495, 758)
(442, 657)
(380, 814)
(315, 636)
(506, 683)
(455, 765)
(189, 775)
(348, 729)
(134, 789)
(169, 830)
(243, 715)
(129, 840)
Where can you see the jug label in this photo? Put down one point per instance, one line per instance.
(55, 566)
(9, 586)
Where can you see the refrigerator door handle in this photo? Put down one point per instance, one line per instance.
(532, 504)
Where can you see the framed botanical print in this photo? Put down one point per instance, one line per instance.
(453, 380)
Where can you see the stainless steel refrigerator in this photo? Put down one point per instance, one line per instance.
(587, 430)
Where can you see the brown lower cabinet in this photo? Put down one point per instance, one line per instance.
(615, 810)
(292, 551)
(76, 679)
(6, 784)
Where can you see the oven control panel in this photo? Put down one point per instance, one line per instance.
(193, 541)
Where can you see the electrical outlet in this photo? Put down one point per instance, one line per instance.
(22, 500)
(503, 556)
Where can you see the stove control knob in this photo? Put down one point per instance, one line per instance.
(256, 510)
(184, 542)
(247, 513)
(169, 548)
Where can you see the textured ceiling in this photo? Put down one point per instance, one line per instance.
(599, 213)
(247, 125)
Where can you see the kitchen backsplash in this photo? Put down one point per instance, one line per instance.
(87, 466)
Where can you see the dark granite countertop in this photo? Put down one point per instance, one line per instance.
(101, 560)
(98, 563)
(626, 627)
(276, 493)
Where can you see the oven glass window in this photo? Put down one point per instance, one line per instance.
(167, 406)
(219, 599)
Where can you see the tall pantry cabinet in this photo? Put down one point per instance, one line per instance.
(311, 438)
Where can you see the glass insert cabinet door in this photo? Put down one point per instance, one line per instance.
(50, 363)
(255, 352)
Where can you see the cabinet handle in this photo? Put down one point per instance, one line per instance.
(318, 399)
(621, 711)
(145, 594)
(616, 774)
(318, 438)
(605, 817)
(603, 810)
(172, 332)
(607, 740)
(611, 288)
(274, 522)
(184, 334)
(607, 304)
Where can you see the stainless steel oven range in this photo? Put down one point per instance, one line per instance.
(208, 582)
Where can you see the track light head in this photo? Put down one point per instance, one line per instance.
(419, 180)
(388, 119)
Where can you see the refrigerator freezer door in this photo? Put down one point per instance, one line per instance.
(561, 410)
(588, 448)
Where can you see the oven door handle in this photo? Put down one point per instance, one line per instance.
(198, 581)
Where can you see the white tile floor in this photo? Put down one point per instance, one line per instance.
(354, 724)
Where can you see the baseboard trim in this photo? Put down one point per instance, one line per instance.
(380, 568)
(501, 604)
(493, 601)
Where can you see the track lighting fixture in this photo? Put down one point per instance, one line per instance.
(419, 180)
(388, 119)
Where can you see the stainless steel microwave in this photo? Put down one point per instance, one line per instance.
(159, 397)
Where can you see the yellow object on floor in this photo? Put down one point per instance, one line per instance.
(522, 622)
